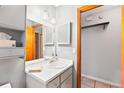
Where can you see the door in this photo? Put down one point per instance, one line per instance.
(38, 45)
(30, 43)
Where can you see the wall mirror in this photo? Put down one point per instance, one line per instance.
(39, 40)
(34, 40)
(64, 34)
(39, 34)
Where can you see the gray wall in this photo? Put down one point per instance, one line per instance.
(101, 48)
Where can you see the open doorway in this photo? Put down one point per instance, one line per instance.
(38, 42)
(81, 42)
(39, 45)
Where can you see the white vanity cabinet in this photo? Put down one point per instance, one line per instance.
(12, 17)
(63, 80)
(57, 74)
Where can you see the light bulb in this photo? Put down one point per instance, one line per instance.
(45, 15)
(53, 21)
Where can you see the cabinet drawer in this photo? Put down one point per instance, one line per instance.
(5, 52)
(54, 83)
(67, 83)
(66, 74)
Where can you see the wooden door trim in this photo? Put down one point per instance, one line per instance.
(79, 11)
(122, 51)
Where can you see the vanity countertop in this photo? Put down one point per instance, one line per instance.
(48, 72)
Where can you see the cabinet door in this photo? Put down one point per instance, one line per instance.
(66, 74)
(67, 83)
(12, 16)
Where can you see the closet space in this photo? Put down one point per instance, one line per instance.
(101, 47)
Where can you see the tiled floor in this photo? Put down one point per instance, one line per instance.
(89, 83)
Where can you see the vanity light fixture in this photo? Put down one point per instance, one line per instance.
(47, 18)
(56, 5)
(53, 21)
(45, 15)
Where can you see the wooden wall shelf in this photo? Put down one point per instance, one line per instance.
(104, 23)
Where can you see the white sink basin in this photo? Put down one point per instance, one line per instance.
(57, 65)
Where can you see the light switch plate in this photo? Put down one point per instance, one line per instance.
(73, 51)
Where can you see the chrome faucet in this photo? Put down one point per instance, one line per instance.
(54, 53)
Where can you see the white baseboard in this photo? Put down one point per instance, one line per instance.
(100, 80)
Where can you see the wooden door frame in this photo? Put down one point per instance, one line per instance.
(79, 11)
(122, 47)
